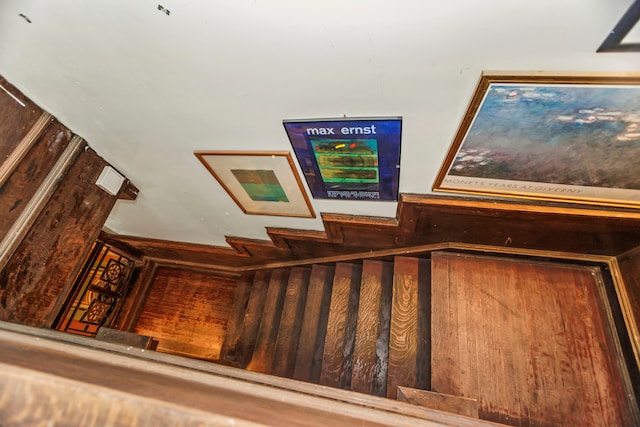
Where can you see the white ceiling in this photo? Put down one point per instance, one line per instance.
(146, 89)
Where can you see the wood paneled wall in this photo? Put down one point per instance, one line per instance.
(187, 311)
(421, 220)
(51, 211)
(17, 116)
(533, 343)
(50, 255)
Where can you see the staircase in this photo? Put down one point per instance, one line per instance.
(361, 326)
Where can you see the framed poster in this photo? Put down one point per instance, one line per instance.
(356, 159)
(261, 183)
(569, 138)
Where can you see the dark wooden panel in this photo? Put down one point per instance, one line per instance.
(284, 358)
(22, 184)
(252, 317)
(629, 265)
(341, 327)
(424, 220)
(236, 317)
(131, 306)
(15, 120)
(314, 325)
(530, 341)
(37, 278)
(410, 333)
(439, 401)
(371, 349)
(263, 353)
(187, 312)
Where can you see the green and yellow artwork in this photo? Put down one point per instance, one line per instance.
(261, 185)
(347, 160)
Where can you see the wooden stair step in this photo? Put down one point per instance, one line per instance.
(441, 402)
(234, 325)
(370, 353)
(252, 317)
(341, 326)
(314, 324)
(409, 341)
(262, 358)
(284, 358)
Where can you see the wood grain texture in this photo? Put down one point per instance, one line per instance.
(341, 327)
(236, 317)
(284, 358)
(629, 267)
(29, 175)
(187, 312)
(424, 220)
(252, 318)
(371, 349)
(39, 275)
(132, 303)
(314, 324)
(410, 331)
(439, 401)
(528, 340)
(262, 359)
(15, 119)
(113, 380)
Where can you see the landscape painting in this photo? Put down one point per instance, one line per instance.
(566, 138)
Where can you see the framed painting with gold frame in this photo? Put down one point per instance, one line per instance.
(261, 183)
(569, 138)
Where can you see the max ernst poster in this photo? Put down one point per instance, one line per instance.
(357, 159)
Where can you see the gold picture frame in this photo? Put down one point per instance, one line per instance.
(260, 182)
(557, 137)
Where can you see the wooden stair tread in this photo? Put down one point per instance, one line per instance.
(370, 354)
(262, 358)
(314, 324)
(284, 358)
(341, 326)
(234, 325)
(252, 317)
(409, 341)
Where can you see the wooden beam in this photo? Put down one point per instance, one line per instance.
(37, 203)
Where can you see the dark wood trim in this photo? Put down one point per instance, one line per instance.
(129, 314)
(32, 210)
(621, 284)
(421, 220)
(18, 154)
(128, 191)
(615, 340)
